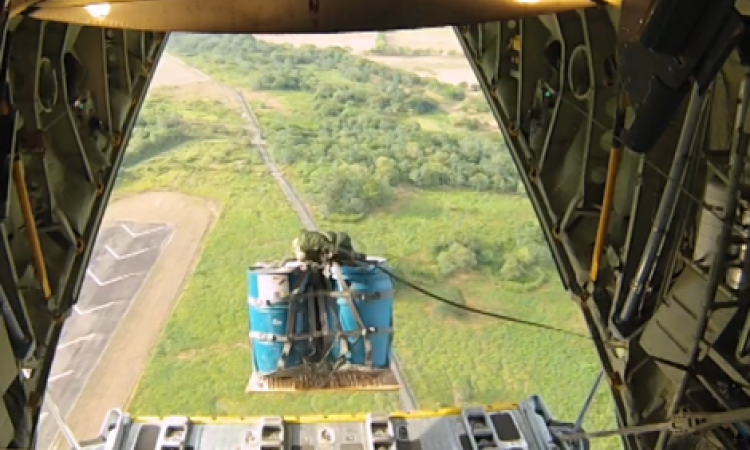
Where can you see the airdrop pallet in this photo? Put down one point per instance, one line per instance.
(339, 381)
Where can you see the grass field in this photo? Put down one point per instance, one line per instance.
(202, 364)
(453, 359)
(449, 358)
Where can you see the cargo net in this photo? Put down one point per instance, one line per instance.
(328, 343)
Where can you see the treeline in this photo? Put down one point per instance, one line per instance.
(161, 127)
(350, 132)
(520, 257)
(354, 144)
(385, 48)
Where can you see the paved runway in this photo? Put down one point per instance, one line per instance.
(123, 255)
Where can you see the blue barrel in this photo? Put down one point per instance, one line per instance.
(268, 300)
(374, 312)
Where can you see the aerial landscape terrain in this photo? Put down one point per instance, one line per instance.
(385, 136)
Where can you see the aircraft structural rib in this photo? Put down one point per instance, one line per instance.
(71, 99)
(652, 239)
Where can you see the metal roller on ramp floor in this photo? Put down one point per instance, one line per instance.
(526, 426)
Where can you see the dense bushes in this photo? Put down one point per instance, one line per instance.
(164, 126)
(354, 126)
(353, 142)
(513, 258)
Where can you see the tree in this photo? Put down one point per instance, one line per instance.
(456, 258)
(355, 115)
(421, 104)
(479, 181)
(347, 189)
(512, 270)
(387, 170)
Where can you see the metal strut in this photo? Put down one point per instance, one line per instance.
(739, 149)
(589, 401)
(663, 219)
(291, 323)
(685, 423)
(54, 411)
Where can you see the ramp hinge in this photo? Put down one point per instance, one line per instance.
(479, 428)
(380, 435)
(272, 433)
(507, 430)
(174, 433)
(112, 429)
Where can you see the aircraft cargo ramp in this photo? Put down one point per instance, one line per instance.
(524, 426)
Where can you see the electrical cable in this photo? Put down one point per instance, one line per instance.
(358, 257)
(481, 312)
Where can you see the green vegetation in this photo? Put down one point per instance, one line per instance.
(384, 48)
(202, 363)
(161, 128)
(410, 169)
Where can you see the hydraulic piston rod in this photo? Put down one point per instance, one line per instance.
(615, 156)
(19, 178)
(666, 210)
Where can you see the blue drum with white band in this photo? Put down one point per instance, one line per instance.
(269, 289)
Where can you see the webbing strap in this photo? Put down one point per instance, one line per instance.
(363, 296)
(322, 302)
(310, 305)
(338, 331)
(357, 295)
(271, 337)
(323, 319)
(364, 332)
(291, 323)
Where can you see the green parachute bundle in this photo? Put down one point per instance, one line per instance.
(324, 247)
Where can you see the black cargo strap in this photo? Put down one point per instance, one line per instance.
(337, 334)
(364, 335)
(271, 337)
(340, 339)
(310, 305)
(362, 296)
(356, 295)
(291, 322)
(322, 303)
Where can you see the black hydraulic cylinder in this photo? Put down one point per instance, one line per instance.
(653, 116)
